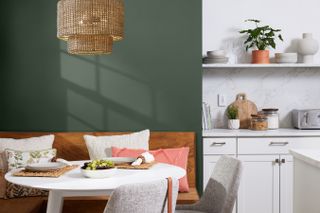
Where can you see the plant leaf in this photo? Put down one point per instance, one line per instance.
(253, 20)
(280, 37)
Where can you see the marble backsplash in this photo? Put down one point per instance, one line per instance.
(283, 88)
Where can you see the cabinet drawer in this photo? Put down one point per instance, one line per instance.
(276, 145)
(219, 146)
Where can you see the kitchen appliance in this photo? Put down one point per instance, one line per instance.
(306, 119)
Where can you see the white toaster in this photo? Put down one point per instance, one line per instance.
(306, 119)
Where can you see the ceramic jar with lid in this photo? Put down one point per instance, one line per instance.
(272, 116)
(259, 122)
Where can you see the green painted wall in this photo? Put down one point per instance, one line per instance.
(151, 80)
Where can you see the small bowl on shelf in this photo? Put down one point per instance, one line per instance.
(207, 60)
(216, 54)
(286, 58)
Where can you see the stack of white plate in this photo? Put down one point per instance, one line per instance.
(286, 58)
(216, 57)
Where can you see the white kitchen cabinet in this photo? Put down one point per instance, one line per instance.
(266, 186)
(219, 146)
(259, 186)
(276, 145)
(286, 184)
(209, 162)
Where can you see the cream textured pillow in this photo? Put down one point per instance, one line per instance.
(100, 146)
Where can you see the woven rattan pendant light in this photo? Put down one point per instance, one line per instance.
(90, 26)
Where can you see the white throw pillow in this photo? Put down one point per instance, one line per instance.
(25, 144)
(100, 146)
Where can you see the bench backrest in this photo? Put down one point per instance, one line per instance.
(71, 145)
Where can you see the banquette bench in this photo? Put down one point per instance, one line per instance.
(71, 146)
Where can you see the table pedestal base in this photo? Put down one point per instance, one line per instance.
(55, 202)
(55, 199)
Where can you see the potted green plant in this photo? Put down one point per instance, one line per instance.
(233, 120)
(261, 38)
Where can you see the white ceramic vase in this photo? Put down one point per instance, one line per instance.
(307, 48)
(233, 123)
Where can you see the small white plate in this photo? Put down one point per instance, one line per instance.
(99, 173)
(40, 167)
(119, 160)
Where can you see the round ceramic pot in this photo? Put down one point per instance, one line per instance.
(307, 48)
(233, 123)
(260, 57)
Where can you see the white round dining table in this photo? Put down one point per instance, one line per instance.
(74, 184)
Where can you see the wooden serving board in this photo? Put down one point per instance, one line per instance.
(54, 173)
(245, 109)
(129, 166)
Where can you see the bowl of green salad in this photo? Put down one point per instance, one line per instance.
(98, 169)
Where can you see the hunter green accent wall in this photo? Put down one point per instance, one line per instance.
(151, 80)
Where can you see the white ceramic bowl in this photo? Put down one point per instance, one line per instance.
(286, 61)
(215, 60)
(286, 57)
(100, 173)
(216, 53)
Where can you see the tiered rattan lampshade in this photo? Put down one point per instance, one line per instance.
(90, 26)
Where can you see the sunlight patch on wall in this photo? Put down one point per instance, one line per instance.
(125, 91)
(117, 121)
(74, 124)
(85, 110)
(78, 71)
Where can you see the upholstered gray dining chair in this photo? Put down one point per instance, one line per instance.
(221, 191)
(149, 197)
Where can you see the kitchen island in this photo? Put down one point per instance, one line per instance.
(306, 185)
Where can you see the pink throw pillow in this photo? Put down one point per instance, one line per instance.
(174, 156)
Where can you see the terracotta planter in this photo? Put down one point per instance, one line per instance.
(260, 57)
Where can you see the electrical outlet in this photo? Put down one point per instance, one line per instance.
(222, 100)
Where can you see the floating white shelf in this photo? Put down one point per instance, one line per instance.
(213, 66)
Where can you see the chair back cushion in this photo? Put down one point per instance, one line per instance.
(148, 197)
(221, 191)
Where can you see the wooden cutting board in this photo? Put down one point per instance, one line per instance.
(245, 109)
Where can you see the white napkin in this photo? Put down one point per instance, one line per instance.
(60, 160)
(145, 157)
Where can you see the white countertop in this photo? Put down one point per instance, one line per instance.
(310, 156)
(252, 133)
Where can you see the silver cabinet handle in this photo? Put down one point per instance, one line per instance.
(218, 144)
(279, 143)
